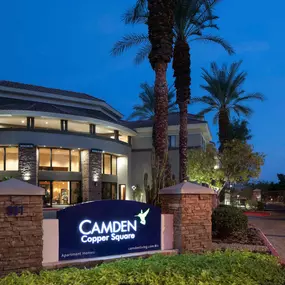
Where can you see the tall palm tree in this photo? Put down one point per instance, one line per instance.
(225, 95)
(145, 110)
(192, 18)
(160, 32)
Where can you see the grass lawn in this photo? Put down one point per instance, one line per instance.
(238, 268)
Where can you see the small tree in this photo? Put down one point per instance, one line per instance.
(203, 166)
(239, 163)
(238, 130)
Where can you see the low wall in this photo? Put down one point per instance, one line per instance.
(51, 238)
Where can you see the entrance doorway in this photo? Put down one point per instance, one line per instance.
(109, 191)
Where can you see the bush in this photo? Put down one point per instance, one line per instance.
(227, 220)
(219, 268)
(260, 206)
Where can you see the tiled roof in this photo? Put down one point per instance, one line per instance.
(173, 120)
(36, 88)
(17, 104)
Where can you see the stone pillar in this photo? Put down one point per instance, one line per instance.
(28, 166)
(91, 166)
(21, 234)
(191, 207)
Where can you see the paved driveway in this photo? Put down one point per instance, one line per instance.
(274, 228)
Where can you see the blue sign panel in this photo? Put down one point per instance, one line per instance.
(108, 227)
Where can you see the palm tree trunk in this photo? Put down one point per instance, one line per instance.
(161, 114)
(181, 66)
(224, 123)
(160, 31)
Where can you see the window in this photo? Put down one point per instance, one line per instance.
(75, 160)
(47, 123)
(109, 191)
(47, 196)
(109, 164)
(59, 159)
(123, 138)
(13, 122)
(61, 192)
(78, 127)
(171, 141)
(9, 159)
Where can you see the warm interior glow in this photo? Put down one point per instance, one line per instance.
(47, 123)
(107, 163)
(74, 126)
(1, 158)
(13, 122)
(61, 193)
(44, 154)
(60, 159)
(12, 158)
(75, 160)
(123, 138)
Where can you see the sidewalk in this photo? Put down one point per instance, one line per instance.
(274, 229)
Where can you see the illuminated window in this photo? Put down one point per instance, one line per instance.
(13, 122)
(44, 158)
(9, 158)
(123, 138)
(2, 158)
(60, 193)
(75, 160)
(114, 165)
(59, 159)
(109, 164)
(47, 123)
(12, 158)
(78, 127)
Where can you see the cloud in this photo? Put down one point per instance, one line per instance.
(253, 46)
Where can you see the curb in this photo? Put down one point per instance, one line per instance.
(272, 249)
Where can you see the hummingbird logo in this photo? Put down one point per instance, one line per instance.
(142, 215)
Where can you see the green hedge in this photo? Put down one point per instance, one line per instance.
(227, 220)
(219, 268)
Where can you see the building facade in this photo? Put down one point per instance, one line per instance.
(76, 146)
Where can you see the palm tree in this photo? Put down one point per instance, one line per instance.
(145, 110)
(160, 32)
(225, 94)
(192, 17)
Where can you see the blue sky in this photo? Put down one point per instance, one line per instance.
(66, 44)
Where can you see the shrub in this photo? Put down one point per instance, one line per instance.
(260, 206)
(219, 268)
(227, 220)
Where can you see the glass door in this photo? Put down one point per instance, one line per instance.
(122, 191)
(47, 197)
(109, 191)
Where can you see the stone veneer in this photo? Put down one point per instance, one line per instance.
(91, 167)
(28, 164)
(21, 243)
(192, 217)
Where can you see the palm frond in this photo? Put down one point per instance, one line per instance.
(242, 110)
(256, 96)
(143, 53)
(127, 42)
(138, 14)
(205, 111)
(217, 40)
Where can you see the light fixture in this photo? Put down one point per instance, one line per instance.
(44, 146)
(23, 122)
(60, 146)
(79, 148)
(46, 123)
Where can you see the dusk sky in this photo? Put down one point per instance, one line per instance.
(66, 44)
